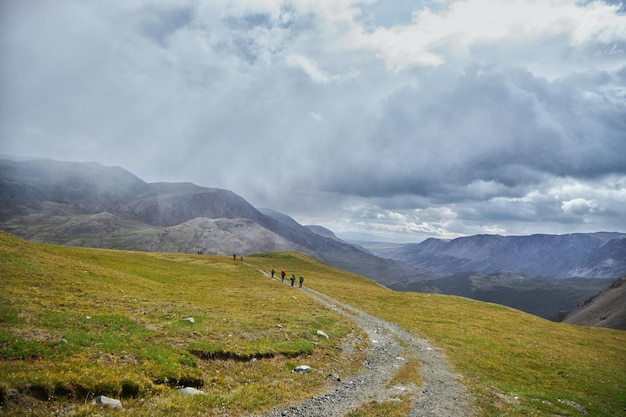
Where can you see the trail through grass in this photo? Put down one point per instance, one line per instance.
(75, 323)
(515, 364)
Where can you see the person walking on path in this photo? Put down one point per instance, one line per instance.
(273, 272)
(282, 275)
(293, 279)
(301, 280)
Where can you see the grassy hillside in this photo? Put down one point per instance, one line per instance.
(75, 323)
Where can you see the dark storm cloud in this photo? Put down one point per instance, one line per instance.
(512, 130)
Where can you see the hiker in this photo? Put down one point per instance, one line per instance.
(282, 274)
(273, 272)
(301, 280)
(293, 279)
(234, 256)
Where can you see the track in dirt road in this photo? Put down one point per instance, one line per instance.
(441, 395)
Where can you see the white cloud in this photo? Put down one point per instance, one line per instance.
(318, 118)
(435, 36)
(309, 67)
(579, 206)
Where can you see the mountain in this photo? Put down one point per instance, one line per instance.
(91, 205)
(594, 255)
(335, 252)
(53, 188)
(606, 309)
(322, 231)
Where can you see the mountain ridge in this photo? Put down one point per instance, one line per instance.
(91, 205)
(586, 255)
(109, 207)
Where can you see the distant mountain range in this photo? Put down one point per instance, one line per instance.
(91, 205)
(542, 274)
(585, 255)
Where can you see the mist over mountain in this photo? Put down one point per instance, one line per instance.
(88, 204)
(91, 205)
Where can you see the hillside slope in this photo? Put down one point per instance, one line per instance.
(606, 309)
(77, 321)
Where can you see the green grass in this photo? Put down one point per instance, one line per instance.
(502, 353)
(75, 323)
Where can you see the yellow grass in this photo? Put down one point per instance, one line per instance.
(76, 322)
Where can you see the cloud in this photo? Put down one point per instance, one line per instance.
(507, 129)
(318, 118)
(309, 67)
(579, 206)
(463, 25)
(400, 119)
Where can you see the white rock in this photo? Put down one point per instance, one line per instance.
(191, 391)
(303, 369)
(102, 400)
(321, 333)
(190, 319)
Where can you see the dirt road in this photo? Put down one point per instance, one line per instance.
(441, 394)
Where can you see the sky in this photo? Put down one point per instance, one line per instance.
(390, 120)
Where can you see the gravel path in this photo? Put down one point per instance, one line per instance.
(441, 395)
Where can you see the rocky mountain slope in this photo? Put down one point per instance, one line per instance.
(606, 309)
(88, 204)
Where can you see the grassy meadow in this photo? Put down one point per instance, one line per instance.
(76, 323)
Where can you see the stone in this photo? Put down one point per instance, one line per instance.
(321, 333)
(191, 391)
(303, 369)
(190, 320)
(103, 400)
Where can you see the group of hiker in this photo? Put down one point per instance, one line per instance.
(292, 278)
